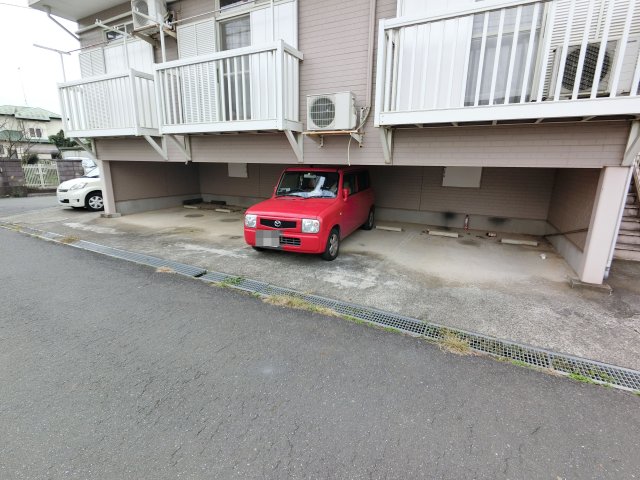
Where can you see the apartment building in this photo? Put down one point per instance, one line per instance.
(521, 115)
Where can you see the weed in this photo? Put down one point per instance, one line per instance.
(299, 304)
(165, 270)
(580, 378)
(68, 239)
(231, 282)
(520, 363)
(453, 343)
(354, 319)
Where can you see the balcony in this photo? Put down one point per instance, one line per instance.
(510, 61)
(245, 89)
(120, 104)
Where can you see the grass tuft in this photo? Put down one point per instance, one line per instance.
(580, 378)
(68, 239)
(452, 343)
(298, 304)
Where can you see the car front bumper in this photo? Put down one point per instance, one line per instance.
(73, 198)
(288, 241)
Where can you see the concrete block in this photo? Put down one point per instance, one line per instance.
(388, 229)
(604, 288)
(511, 241)
(439, 233)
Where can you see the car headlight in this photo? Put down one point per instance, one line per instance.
(310, 225)
(250, 220)
(78, 186)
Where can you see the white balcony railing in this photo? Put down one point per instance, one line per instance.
(110, 105)
(510, 60)
(253, 88)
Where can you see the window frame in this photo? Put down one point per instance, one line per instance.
(121, 26)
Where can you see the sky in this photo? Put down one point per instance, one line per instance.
(29, 75)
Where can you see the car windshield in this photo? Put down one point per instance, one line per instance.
(308, 184)
(93, 173)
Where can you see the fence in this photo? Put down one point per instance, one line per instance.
(41, 175)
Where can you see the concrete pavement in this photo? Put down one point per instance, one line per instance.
(473, 282)
(111, 370)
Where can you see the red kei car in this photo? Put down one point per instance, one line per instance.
(312, 210)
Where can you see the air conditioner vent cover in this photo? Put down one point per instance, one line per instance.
(322, 111)
(333, 111)
(589, 68)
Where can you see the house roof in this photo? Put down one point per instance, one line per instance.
(29, 113)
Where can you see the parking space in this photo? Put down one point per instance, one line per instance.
(473, 282)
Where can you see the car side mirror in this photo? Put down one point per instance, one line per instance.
(345, 194)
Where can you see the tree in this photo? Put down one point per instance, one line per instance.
(14, 137)
(61, 141)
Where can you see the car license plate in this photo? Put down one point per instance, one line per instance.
(268, 238)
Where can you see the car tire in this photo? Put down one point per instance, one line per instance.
(94, 201)
(371, 218)
(332, 247)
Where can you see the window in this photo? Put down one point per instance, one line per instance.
(308, 184)
(349, 183)
(522, 46)
(235, 33)
(111, 35)
(1, 150)
(32, 132)
(363, 180)
(38, 133)
(231, 3)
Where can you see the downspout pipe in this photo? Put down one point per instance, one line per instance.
(369, 99)
(47, 9)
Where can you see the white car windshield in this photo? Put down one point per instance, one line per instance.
(308, 184)
(94, 173)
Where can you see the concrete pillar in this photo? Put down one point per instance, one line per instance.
(610, 199)
(107, 191)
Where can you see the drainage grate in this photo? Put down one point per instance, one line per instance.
(180, 268)
(622, 378)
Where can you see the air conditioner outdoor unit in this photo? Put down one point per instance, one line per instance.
(334, 111)
(609, 61)
(142, 9)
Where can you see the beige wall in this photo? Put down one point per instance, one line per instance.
(140, 180)
(504, 192)
(553, 145)
(215, 180)
(572, 200)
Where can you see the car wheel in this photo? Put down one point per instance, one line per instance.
(332, 248)
(368, 225)
(94, 201)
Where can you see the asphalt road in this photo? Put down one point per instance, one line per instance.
(112, 370)
(13, 206)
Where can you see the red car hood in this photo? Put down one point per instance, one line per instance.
(292, 207)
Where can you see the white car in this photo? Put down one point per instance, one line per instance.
(81, 192)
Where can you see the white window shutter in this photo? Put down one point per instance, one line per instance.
(197, 39)
(199, 96)
(187, 45)
(92, 63)
(206, 37)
